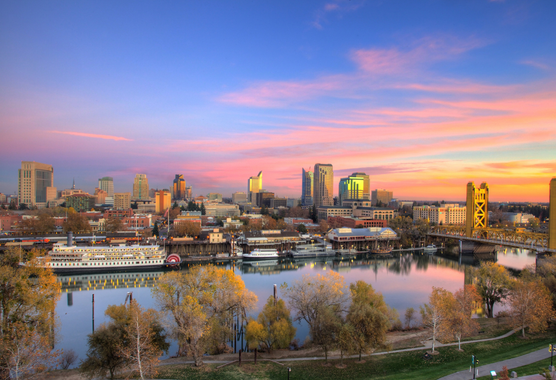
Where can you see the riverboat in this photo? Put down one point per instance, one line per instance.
(430, 249)
(261, 254)
(312, 250)
(90, 259)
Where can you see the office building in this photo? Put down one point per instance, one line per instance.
(215, 197)
(263, 198)
(374, 213)
(80, 202)
(33, 180)
(178, 187)
(239, 197)
(352, 187)
(381, 195)
(306, 187)
(100, 196)
(107, 184)
(323, 185)
(221, 210)
(254, 185)
(140, 187)
(189, 192)
(445, 214)
(278, 202)
(162, 200)
(122, 201)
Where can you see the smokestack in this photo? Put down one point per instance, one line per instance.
(70, 239)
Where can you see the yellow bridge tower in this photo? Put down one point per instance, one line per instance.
(552, 215)
(477, 208)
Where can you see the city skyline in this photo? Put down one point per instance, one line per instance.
(423, 97)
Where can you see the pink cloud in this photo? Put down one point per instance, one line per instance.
(95, 136)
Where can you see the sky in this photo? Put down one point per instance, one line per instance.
(424, 96)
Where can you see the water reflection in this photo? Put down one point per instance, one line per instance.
(405, 280)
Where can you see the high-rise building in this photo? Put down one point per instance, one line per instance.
(351, 188)
(381, 195)
(189, 192)
(178, 187)
(323, 188)
(122, 201)
(162, 200)
(254, 185)
(33, 180)
(366, 184)
(262, 198)
(107, 184)
(140, 187)
(306, 187)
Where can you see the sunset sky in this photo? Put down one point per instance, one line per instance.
(424, 96)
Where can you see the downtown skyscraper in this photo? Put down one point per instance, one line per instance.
(254, 185)
(323, 188)
(306, 187)
(178, 187)
(35, 184)
(356, 186)
(107, 184)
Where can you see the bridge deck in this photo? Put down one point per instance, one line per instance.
(496, 242)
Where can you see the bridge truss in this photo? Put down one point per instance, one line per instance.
(499, 236)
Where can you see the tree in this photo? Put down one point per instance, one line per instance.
(345, 341)
(113, 224)
(302, 229)
(43, 223)
(323, 227)
(68, 358)
(298, 212)
(155, 229)
(268, 223)
(76, 223)
(28, 297)
(409, 317)
(493, 283)
(103, 356)
(368, 315)
(318, 300)
(530, 306)
(142, 349)
(434, 313)
(197, 301)
(23, 206)
(275, 320)
(187, 228)
(459, 312)
(202, 209)
(114, 345)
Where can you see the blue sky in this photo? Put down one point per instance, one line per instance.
(424, 95)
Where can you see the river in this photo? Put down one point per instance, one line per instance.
(405, 280)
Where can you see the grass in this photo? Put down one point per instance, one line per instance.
(383, 367)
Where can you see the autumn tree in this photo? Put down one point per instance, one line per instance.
(434, 314)
(122, 345)
(409, 317)
(459, 312)
(43, 223)
(113, 224)
(319, 300)
(28, 297)
(345, 342)
(324, 226)
(530, 306)
(273, 328)
(268, 223)
(493, 285)
(141, 348)
(368, 314)
(76, 223)
(196, 301)
(187, 228)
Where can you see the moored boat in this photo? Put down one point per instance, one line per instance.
(430, 249)
(261, 254)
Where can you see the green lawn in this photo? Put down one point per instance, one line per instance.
(384, 367)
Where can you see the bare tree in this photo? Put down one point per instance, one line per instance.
(409, 317)
(67, 359)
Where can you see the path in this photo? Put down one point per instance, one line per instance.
(519, 361)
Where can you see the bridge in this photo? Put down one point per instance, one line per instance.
(477, 229)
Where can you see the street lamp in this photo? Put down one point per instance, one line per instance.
(289, 370)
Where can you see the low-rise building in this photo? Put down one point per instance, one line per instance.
(350, 222)
(348, 235)
(325, 212)
(448, 213)
(214, 236)
(214, 197)
(374, 213)
(221, 209)
(137, 222)
(297, 221)
(119, 214)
